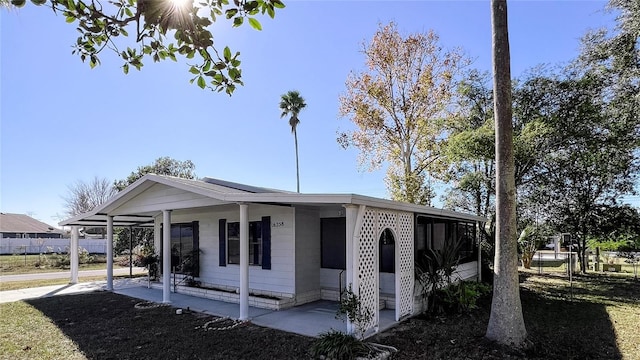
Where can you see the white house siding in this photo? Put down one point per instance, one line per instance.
(307, 251)
(278, 281)
(466, 271)
(330, 283)
(161, 197)
(388, 283)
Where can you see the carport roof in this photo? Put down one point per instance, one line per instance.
(229, 192)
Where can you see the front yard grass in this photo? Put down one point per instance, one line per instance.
(29, 264)
(597, 318)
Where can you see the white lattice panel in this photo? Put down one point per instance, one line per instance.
(374, 222)
(404, 285)
(368, 265)
(387, 219)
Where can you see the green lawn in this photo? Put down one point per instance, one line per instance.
(29, 334)
(27, 264)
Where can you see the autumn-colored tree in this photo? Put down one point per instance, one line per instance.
(398, 105)
(506, 322)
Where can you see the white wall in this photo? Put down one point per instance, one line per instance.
(307, 250)
(466, 271)
(159, 197)
(387, 283)
(330, 278)
(280, 279)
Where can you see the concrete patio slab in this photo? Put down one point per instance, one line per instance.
(310, 319)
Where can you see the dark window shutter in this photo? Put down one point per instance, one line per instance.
(266, 242)
(222, 235)
(196, 246)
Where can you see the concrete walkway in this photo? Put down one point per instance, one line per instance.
(310, 319)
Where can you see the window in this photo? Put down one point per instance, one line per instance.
(185, 252)
(255, 243)
(467, 234)
(439, 235)
(387, 252)
(333, 242)
(433, 233)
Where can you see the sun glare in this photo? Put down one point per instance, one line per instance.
(181, 4)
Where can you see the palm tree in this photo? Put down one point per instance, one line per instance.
(506, 323)
(291, 104)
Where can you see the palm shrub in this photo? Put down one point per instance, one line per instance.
(434, 270)
(338, 346)
(529, 242)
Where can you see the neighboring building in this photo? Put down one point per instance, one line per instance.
(23, 226)
(280, 249)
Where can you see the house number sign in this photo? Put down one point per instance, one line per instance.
(277, 224)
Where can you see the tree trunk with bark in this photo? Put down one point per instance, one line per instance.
(506, 323)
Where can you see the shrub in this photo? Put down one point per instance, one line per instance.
(353, 310)
(339, 346)
(461, 297)
(64, 260)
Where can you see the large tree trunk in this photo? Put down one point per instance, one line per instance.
(506, 323)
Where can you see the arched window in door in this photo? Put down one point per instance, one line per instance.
(387, 252)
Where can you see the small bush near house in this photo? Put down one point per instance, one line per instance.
(339, 346)
(461, 297)
(64, 260)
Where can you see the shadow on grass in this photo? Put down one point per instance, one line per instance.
(105, 325)
(557, 328)
(562, 329)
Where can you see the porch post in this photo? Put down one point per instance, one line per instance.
(244, 262)
(110, 253)
(166, 256)
(73, 250)
(354, 216)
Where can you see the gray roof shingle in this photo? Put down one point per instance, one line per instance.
(20, 223)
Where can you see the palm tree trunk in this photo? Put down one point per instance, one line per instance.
(295, 139)
(506, 323)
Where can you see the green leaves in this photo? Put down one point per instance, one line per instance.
(201, 82)
(18, 3)
(255, 24)
(100, 22)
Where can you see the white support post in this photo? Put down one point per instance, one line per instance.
(166, 256)
(110, 253)
(354, 216)
(244, 262)
(73, 249)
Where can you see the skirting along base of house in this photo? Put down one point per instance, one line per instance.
(256, 300)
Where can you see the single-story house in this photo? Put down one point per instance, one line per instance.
(24, 226)
(289, 248)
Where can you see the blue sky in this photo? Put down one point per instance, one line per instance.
(62, 122)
